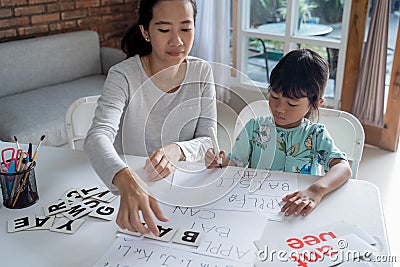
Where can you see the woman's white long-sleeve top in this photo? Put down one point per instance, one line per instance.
(135, 117)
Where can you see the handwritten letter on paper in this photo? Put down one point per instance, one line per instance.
(270, 186)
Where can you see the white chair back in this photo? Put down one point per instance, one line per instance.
(78, 120)
(345, 129)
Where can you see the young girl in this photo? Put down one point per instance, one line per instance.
(158, 103)
(288, 140)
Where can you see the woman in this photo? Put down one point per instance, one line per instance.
(159, 102)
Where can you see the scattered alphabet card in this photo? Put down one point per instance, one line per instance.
(43, 223)
(67, 226)
(188, 237)
(21, 223)
(66, 214)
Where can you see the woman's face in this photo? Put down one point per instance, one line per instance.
(171, 31)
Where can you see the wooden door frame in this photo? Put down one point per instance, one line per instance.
(387, 137)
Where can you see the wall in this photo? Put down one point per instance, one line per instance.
(21, 19)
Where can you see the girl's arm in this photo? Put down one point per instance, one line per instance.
(304, 201)
(339, 172)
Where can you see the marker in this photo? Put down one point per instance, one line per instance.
(30, 151)
(172, 181)
(215, 145)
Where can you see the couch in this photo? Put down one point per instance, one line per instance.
(41, 77)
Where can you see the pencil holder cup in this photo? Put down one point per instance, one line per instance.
(19, 189)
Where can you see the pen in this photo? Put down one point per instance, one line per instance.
(215, 145)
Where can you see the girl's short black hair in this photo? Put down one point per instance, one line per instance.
(132, 42)
(301, 73)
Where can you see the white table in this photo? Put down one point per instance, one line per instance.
(60, 169)
(356, 202)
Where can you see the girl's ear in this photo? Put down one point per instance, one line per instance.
(320, 102)
(145, 33)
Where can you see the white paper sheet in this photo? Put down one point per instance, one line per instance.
(130, 252)
(230, 188)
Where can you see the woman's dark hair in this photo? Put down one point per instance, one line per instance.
(301, 73)
(132, 42)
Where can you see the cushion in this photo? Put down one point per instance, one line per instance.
(45, 61)
(31, 114)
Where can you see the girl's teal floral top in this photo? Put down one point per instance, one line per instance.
(302, 149)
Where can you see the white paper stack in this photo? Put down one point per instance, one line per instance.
(336, 244)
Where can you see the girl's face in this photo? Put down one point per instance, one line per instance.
(288, 112)
(171, 31)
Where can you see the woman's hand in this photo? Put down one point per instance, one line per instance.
(133, 199)
(302, 202)
(161, 162)
(211, 160)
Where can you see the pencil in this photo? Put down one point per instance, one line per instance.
(21, 157)
(28, 170)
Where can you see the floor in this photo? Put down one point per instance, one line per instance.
(377, 166)
(382, 168)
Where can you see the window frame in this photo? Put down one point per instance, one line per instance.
(241, 32)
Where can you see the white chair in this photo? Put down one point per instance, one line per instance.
(345, 129)
(78, 120)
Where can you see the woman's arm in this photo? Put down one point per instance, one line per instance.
(108, 164)
(196, 148)
(100, 138)
(135, 197)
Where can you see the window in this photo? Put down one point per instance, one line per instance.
(267, 29)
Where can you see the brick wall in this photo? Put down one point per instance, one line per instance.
(21, 19)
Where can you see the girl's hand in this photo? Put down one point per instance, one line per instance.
(161, 162)
(134, 199)
(211, 160)
(301, 202)
(304, 201)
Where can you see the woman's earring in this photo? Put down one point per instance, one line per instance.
(147, 39)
